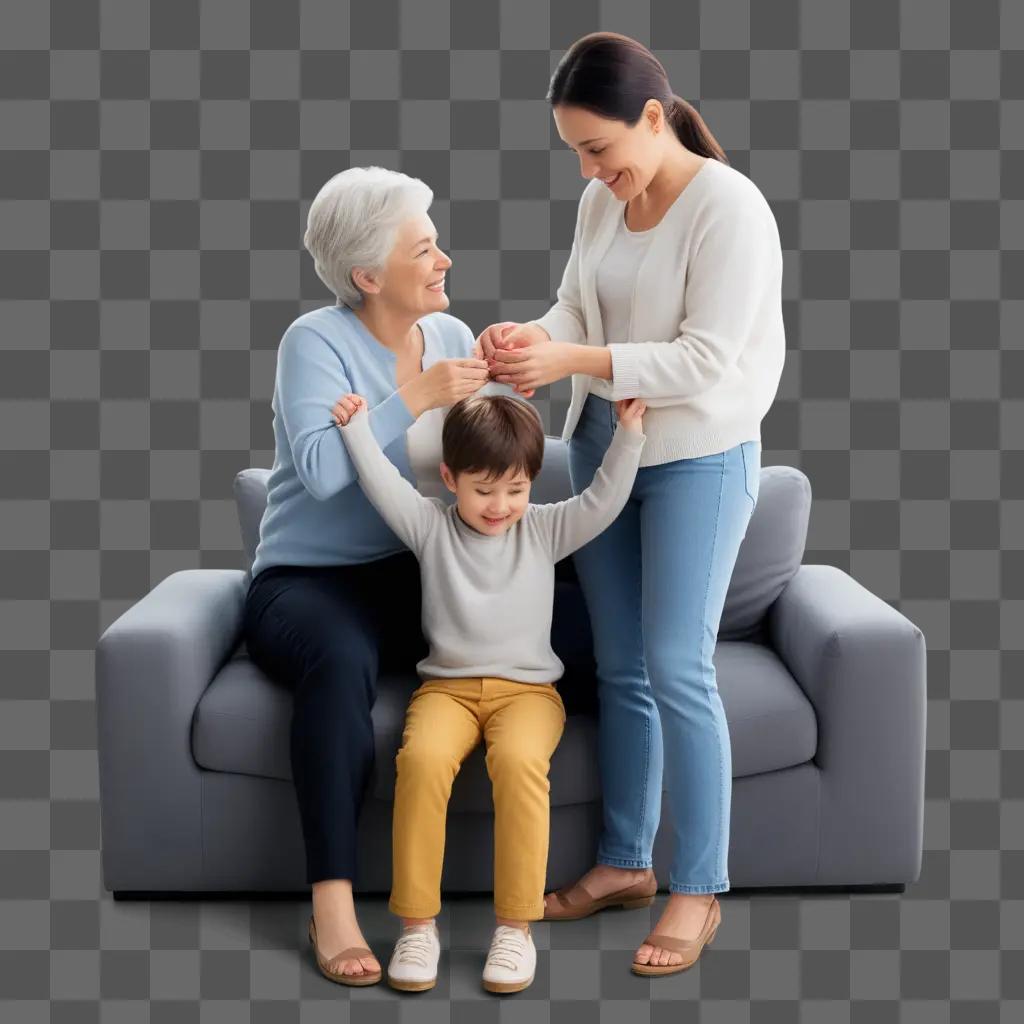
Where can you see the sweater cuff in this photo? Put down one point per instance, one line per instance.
(625, 371)
(390, 419)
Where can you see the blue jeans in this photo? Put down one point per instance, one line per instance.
(655, 584)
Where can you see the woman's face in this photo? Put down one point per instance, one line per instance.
(413, 279)
(624, 158)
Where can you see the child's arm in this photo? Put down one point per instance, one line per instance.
(310, 377)
(400, 505)
(572, 523)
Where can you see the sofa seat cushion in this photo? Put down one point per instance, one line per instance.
(242, 724)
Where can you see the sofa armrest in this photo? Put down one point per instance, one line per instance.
(152, 665)
(862, 665)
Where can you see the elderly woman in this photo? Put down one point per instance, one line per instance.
(334, 592)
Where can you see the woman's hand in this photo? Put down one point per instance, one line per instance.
(533, 366)
(444, 383)
(490, 337)
(631, 414)
(510, 334)
(523, 335)
(346, 407)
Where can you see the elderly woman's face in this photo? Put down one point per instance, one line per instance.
(414, 275)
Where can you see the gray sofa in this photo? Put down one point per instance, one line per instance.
(823, 685)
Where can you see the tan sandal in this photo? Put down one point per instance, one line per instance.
(689, 949)
(331, 968)
(576, 901)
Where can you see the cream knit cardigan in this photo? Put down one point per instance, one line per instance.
(707, 341)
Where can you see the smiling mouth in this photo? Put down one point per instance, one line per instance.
(494, 522)
(612, 182)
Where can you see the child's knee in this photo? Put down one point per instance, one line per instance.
(423, 761)
(518, 761)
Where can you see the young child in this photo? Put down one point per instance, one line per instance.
(487, 571)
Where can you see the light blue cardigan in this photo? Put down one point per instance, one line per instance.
(316, 512)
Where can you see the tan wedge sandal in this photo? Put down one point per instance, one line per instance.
(689, 949)
(331, 968)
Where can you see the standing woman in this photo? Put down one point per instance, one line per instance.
(672, 293)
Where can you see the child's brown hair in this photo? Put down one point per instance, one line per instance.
(492, 434)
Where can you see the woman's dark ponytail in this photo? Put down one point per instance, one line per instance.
(614, 76)
(692, 131)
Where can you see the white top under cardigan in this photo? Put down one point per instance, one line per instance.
(707, 342)
(616, 279)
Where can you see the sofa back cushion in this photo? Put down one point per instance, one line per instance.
(250, 486)
(770, 554)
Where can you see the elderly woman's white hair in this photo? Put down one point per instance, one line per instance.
(353, 222)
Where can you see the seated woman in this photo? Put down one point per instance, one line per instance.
(335, 595)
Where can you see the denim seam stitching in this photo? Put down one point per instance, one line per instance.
(637, 852)
(703, 641)
(756, 468)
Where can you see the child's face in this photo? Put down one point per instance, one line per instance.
(490, 506)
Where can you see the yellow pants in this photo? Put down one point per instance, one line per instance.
(521, 724)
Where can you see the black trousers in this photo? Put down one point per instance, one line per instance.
(325, 632)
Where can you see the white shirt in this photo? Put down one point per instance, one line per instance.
(706, 343)
(616, 279)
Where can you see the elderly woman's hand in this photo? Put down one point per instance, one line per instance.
(346, 407)
(443, 384)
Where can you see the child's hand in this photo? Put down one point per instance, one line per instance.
(346, 407)
(631, 413)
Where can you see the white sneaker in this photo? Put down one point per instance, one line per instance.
(511, 961)
(413, 965)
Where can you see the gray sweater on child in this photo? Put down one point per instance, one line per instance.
(487, 600)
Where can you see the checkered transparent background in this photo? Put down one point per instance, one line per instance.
(156, 164)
